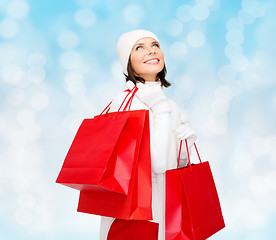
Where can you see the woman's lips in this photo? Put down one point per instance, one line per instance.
(152, 61)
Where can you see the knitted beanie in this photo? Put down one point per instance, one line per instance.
(126, 43)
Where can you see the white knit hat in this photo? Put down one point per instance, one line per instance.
(126, 43)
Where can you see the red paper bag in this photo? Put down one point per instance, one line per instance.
(104, 152)
(193, 209)
(137, 204)
(133, 230)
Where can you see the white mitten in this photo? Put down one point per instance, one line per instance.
(152, 95)
(185, 131)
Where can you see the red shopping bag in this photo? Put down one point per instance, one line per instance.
(133, 230)
(104, 152)
(137, 204)
(193, 209)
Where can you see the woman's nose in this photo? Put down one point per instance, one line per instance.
(151, 51)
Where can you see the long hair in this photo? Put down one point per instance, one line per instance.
(161, 76)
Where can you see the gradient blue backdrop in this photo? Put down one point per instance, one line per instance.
(58, 65)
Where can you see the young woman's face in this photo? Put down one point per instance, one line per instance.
(147, 59)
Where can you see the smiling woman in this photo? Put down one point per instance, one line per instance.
(144, 69)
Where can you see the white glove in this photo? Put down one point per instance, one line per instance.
(185, 131)
(151, 95)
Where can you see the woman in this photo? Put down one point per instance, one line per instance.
(143, 63)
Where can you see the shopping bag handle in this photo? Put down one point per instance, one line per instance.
(187, 153)
(128, 104)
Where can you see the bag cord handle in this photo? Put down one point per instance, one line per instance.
(187, 153)
(128, 104)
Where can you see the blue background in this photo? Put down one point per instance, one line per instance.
(58, 65)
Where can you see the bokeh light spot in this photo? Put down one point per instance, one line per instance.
(68, 39)
(36, 59)
(18, 9)
(253, 8)
(235, 23)
(262, 59)
(39, 101)
(36, 74)
(134, 14)
(233, 50)
(239, 63)
(15, 96)
(178, 50)
(173, 27)
(183, 13)
(235, 37)
(200, 12)
(246, 18)
(8, 28)
(85, 17)
(196, 39)
(25, 117)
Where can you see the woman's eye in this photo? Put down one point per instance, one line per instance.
(155, 45)
(139, 48)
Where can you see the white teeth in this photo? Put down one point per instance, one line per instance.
(152, 61)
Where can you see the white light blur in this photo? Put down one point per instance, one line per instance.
(226, 73)
(70, 59)
(218, 124)
(116, 70)
(32, 132)
(74, 83)
(262, 59)
(200, 12)
(18, 9)
(183, 13)
(68, 39)
(253, 8)
(8, 28)
(72, 121)
(258, 185)
(178, 50)
(174, 27)
(87, 3)
(184, 87)
(23, 217)
(39, 101)
(245, 17)
(36, 74)
(235, 37)
(224, 93)
(36, 59)
(21, 185)
(196, 39)
(13, 74)
(220, 107)
(248, 214)
(134, 14)
(243, 164)
(239, 63)
(8, 52)
(81, 104)
(85, 17)
(233, 51)
(15, 96)
(205, 2)
(26, 200)
(235, 23)
(25, 117)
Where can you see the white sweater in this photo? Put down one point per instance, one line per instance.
(164, 152)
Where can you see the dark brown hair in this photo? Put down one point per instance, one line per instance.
(161, 76)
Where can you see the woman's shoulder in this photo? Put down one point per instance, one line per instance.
(121, 99)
